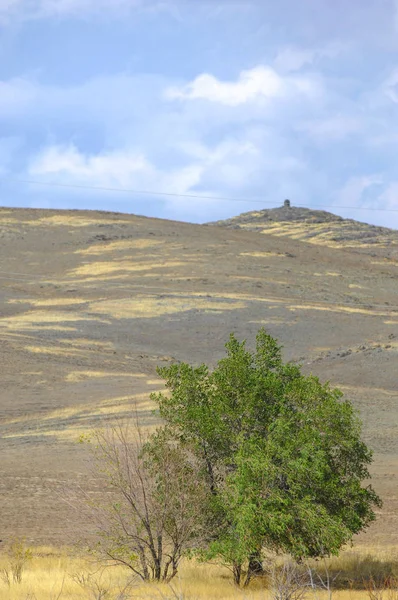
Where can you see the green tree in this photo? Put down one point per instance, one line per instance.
(280, 453)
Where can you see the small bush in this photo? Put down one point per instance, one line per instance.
(287, 581)
(18, 556)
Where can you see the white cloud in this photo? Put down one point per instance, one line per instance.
(257, 82)
(125, 168)
(117, 169)
(261, 82)
(122, 168)
(107, 169)
(234, 167)
(118, 131)
(352, 193)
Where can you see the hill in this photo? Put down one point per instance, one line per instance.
(321, 228)
(91, 302)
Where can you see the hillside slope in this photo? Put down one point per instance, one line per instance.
(91, 302)
(321, 228)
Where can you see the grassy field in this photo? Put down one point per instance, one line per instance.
(54, 574)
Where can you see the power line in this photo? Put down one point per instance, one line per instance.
(177, 195)
(131, 191)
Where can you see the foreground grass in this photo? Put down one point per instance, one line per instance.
(58, 575)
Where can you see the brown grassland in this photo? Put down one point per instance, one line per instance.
(57, 574)
(91, 303)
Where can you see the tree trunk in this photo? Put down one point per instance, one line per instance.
(144, 564)
(237, 571)
(255, 568)
(157, 570)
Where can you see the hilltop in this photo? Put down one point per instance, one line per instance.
(92, 302)
(319, 227)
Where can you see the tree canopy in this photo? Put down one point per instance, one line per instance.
(280, 453)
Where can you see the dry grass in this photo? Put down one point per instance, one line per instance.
(60, 575)
(93, 269)
(36, 318)
(48, 302)
(148, 307)
(71, 422)
(315, 233)
(120, 245)
(70, 220)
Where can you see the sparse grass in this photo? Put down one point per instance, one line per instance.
(120, 245)
(148, 307)
(70, 422)
(330, 234)
(265, 254)
(68, 220)
(34, 319)
(75, 376)
(93, 269)
(48, 302)
(60, 575)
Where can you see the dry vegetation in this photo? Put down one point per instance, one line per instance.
(91, 303)
(54, 574)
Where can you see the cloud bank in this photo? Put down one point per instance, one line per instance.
(283, 113)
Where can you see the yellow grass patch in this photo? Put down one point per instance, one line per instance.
(76, 376)
(150, 306)
(76, 347)
(105, 268)
(70, 422)
(56, 350)
(275, 321)
(98, 249)
(330, 274)
(36, 317)
(264, 254)
(48, 302)
(43, 327)
(66, 220)
(338, 309)
(315, 233)
(54, 574)
(32, 373)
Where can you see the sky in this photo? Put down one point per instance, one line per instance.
(243, 102)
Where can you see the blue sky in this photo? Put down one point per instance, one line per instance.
(260, 100)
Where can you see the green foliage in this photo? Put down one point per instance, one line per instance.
(280, 452)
